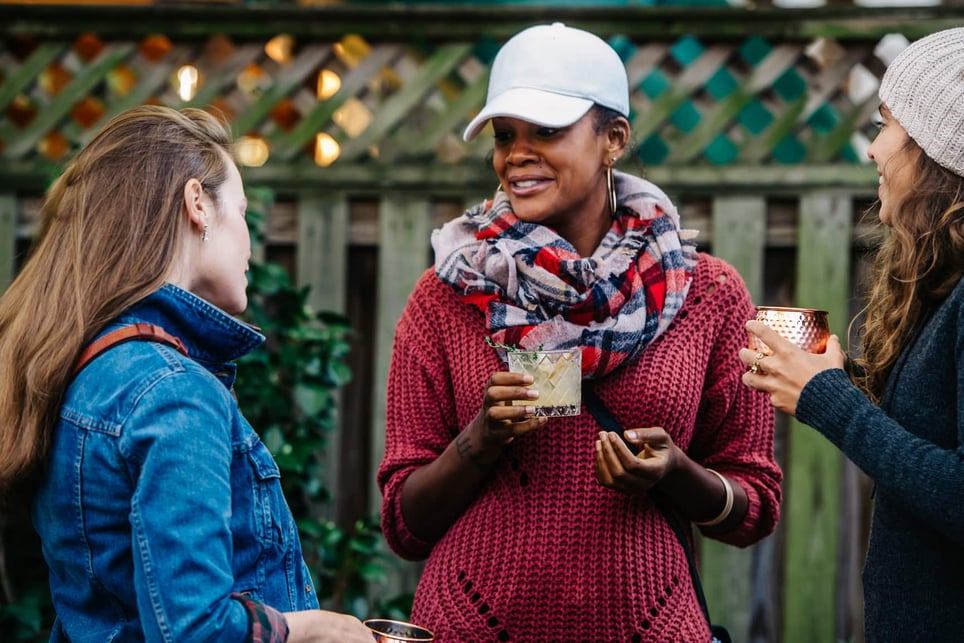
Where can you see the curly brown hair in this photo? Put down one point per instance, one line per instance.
(916, 267)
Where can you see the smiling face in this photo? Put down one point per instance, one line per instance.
(557, 177)
(895, 164)
(222, 260)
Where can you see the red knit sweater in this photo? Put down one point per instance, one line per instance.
(546, 553)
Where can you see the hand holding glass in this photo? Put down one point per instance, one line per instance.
(557, 375)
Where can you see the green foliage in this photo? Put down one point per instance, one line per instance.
(24, 619)
(287, 390)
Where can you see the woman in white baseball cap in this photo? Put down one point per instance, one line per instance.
(548, 529)
(897, 411)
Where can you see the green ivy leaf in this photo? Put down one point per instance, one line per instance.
(312, 399)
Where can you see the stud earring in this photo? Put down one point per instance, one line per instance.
(204, 233)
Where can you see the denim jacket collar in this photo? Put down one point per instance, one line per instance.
(211, 336)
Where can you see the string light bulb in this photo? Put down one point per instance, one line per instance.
(327, 149)
(252, 150)
(187, 82)
(328, 84)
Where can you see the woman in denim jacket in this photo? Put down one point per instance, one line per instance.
(159, 509)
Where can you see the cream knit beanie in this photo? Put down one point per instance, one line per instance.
(924, 90)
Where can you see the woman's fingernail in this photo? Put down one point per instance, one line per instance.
(631, 435)
(532, 394)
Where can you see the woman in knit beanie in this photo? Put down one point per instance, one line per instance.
(898, 410)
(547, 529)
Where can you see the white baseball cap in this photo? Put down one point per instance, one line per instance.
(551, 75)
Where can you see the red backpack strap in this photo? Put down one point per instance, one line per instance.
(139, 332)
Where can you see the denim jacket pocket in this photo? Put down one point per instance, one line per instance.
(270, 508)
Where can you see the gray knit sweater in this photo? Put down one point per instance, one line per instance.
(912, 446)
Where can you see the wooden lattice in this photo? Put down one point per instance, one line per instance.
(697, 98)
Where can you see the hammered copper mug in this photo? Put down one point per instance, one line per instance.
(805, 327)
(386, 630)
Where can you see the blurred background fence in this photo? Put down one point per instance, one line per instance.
(755, 120)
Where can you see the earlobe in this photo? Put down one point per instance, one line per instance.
(194, 204)
(618, 138)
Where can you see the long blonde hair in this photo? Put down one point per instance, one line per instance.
(916, 267)
(110, 232)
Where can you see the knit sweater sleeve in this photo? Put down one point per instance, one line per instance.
(926, 478)
(912, 444)
(734, 426)
(420, 416)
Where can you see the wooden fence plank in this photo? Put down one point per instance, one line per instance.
(404, 226)
(739, 235)
(8, 238)
(814, 476)
(321, 263)
(322, 250)
(405, 230)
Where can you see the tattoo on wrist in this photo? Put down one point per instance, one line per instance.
(463, 446)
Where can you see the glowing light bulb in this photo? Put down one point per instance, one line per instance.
(279, 48)
(328, 84)
(252, 150)
(187, 82)
(327, 149)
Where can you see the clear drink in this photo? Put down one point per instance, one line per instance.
(557, 375)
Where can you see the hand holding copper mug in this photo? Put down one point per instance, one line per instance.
(785, 350)
(807, 328)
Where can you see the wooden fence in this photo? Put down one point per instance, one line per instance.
(754, 121)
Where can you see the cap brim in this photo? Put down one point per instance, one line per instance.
(531, 105)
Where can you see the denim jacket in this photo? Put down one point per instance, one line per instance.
(160, 502)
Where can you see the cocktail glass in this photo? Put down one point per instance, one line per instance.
(556, 374)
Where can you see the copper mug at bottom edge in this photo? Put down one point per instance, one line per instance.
(386, 630)
(804, 327)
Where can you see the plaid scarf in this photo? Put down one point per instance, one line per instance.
(536, 291)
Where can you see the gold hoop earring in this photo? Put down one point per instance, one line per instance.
(611, 188)
(499, 189)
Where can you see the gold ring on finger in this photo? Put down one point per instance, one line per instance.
(755, 366)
